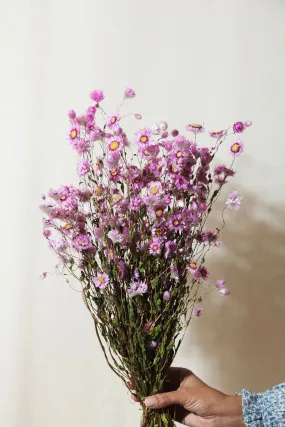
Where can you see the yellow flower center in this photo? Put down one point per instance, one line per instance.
(73, 133)
(174, 170)
(155, 247)
(146, 152)
(159, 212)
(68, 226)
(111, 254)
(158, 232)
(97, 191)
(176, 222)
(235, 148)
(143, 139)
(193, 265)
(114, 145)
(63, 198)
(218, 131)
(101, 280)
(113, 119)
(114, 172)
(154, 190)
(195, 125)
(116, 197)
(179, 154)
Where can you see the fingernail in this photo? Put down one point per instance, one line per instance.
(150, 402)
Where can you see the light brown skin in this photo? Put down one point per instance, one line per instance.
(195, 404)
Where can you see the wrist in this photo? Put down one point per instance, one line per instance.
(233, 413)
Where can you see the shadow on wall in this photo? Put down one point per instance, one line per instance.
(243, 336)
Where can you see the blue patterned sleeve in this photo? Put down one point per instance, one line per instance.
(264, 409)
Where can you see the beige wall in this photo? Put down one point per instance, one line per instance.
(212, 61)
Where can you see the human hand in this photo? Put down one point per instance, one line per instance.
(195, 404)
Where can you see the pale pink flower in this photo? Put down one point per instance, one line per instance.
(137, 288)
(97, 95)
(138, 116)
(130, 93)
(82, 242)
(220, 284)
(113, 120)
(192, 266)
(233, 201)
(143, 137)
(217, 133)
(83, 168)
(74, 133)
(115, 236)
(101, 280)
(236, 148)
(114, 145)
(224, 292)
(71, 114)
(155, 247)
(195, 128)
(43, 275)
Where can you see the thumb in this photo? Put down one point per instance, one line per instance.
(162, 400)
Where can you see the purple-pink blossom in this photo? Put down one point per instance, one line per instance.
(101, 280)
(137, 288)
(130, 93)
(82, 242)
(97, 95)
(236, 148)
(83, 167)
(239, 127)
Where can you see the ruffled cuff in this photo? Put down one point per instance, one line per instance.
(251, 407)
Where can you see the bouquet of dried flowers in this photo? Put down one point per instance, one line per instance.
(133, 234)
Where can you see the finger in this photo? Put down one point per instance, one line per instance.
(162, 400)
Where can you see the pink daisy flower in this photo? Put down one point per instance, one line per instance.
(217, 133)
(137, 288)
(82, 242)
(233, 201)
(81, 146)
(143, 137)
(115, 174)
(130, 93)
(192, 267)
(236, 148)
(114, 145)
(115, 236)
(154, 188)
(155, 247)
(195, 128)
(113, 120)
(176, 223)
(74, 133)
(97, 95)
(239, 127)
(202, 273)
(101, 280)
(83, 168)
(149, 152)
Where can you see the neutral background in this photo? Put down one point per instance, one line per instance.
(211, 61)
